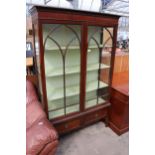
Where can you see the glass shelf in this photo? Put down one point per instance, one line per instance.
(73, 69)
(73, 90)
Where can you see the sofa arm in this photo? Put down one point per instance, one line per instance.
(34, 113)
(39, 136)
(49, 149)
(30, 93)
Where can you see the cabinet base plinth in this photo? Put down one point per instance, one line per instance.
(118, 131)
(81, 120)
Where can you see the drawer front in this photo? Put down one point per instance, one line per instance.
(67, 126)
(95, 116)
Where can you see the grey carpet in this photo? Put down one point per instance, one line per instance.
(94, 140)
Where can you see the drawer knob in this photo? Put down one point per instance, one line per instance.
(66, 126)
(96, 115)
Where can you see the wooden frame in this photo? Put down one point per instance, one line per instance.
(47, 15)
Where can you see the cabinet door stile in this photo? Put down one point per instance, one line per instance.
(42, 68)
(84, 45)
(35, 59)
(113, 55)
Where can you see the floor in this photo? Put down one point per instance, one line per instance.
(94, 140)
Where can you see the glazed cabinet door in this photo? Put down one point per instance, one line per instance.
(62, 49)
(100, 42)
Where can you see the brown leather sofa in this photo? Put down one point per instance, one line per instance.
(41, 137)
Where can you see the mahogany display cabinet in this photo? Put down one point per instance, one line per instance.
(69, 45)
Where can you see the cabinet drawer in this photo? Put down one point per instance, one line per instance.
(95, 116)
(67, 126)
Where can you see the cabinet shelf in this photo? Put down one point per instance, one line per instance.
(93, 102)
(54, 108)
(61, 112)
(74, 108)
(58, 104)
(74, 69)
(49, 49)
(74, 90)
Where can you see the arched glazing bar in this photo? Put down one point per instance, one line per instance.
(63, 53)
(104, 42)
(50, 33)
(100, 31)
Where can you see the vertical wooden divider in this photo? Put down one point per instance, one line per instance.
(113, 54)
(84, 45)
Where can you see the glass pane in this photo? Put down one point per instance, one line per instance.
(98, 65)
(62, 68)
